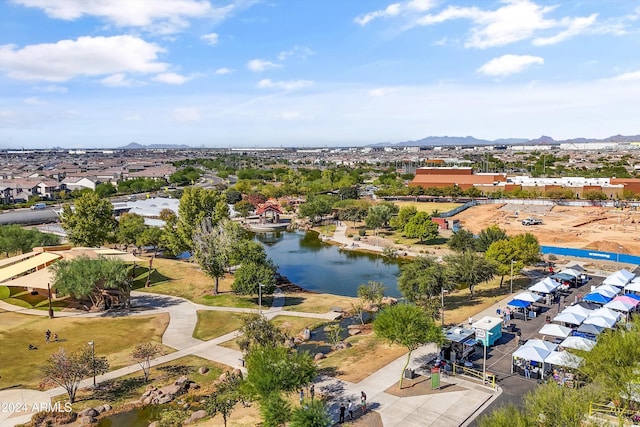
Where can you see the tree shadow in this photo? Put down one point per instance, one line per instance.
(291, 301)
(140, 280)
(114, 390)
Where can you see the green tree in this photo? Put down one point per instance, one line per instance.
(421, 281)
(421, 227)
(143, 353)
(250, 275)
(405, 214)
(408, 326)
(371, 293)
(277, 369)
(316, 207)
(151, 236)
(462, 240)
(349, 192)
(526, 247)
(594, 195)
(311, 414)
(275, 410)
(243, 208)
(84, 277)
(105, 189)
(379, 215)
(15, 239)
(551, 405)
(130, 227)
(225, 397)
(232, 196)
(489, 235)
(469, 269)
(214, 246)
(354, 213)
(508, 415)
(90, 222)
(68, 369)
(258, 331)
(197, 204)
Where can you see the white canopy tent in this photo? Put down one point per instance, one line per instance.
(555, 330)
(633, 286)
(531, 353)
(570, 272)
(578, 343)
(545, 286)
(603, 322)
(571, 318)
(541, 344)
(563, 358)
(619, 305)
(606, 290)
(620, 278)
(606, 313)
(528, 297)
(577, 309)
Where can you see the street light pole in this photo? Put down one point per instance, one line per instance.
(93, 361)
(442, 292)
(512, 261)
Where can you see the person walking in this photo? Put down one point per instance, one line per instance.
(363, 401)
(342, 409)
(47, 336)
(312, 391)
(350, 409)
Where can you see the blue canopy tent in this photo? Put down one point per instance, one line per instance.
(597, 298)
(518, 305)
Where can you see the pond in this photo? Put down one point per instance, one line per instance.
(138, 417)
(316, 266)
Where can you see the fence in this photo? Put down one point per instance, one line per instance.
(457, 210)
(586, 253)
(489, 379)
(609, 410)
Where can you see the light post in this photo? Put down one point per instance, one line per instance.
(93, 361)
(442, 292)
(260, 286)
(618, 255)
(484, 358)
(512, 261)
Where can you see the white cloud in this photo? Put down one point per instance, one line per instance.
(117, 80)
(633, 75)
(514, 21)
(260, 65)
(509, 64)
(211, 38)
(86, 56)
(289, 85)
(186, 114)
(381, 91)
(574, 27)
(133, 118)
(170, 78)
(222, 71)
(162, 16)
(52, 89)
(390, 11)
(34, 101)
(301, 52)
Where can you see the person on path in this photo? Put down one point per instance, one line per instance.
(350, 409)
(312, 391)
(342, 409)
(47, 336)
(527, 372)
(301, 396)
(363, 401)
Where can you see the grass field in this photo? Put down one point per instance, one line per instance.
(25, 299)
(113, 337)
(429, 206)
(294, 325)
(212, 324)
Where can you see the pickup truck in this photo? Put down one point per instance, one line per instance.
(531, 221)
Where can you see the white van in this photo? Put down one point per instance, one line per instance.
(38, 206)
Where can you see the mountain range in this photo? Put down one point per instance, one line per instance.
(432, 141)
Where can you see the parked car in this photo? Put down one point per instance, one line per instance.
(38, 206)
(531, 221)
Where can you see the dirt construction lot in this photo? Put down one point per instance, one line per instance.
(603, 229)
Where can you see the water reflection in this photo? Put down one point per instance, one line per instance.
(314, 265)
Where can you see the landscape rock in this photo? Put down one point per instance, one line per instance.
(238, 372)
(197, 415)
(297, 340)
(203, 370)
(165, 398)
(85, 421)
(103, 408)
(306, 334)
(318, 356)
(353, 332)
(89, 412)
(182, 380)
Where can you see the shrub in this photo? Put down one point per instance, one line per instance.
(362, 232)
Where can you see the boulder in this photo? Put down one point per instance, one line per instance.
(194, 386)
(297, 340)
(104, 408)
(182, 380)
(203, 370)
(318, 356)
(165, 398)
(85, 421)
(350, 327)
(353, 332)
(197, 415)
(89, 412)
(238, 373)
(306, 334)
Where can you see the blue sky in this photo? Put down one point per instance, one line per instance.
(104, 73)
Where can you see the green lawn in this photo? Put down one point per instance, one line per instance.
(212, 324)
(113, 337)
(293, 325)
(22, 298)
